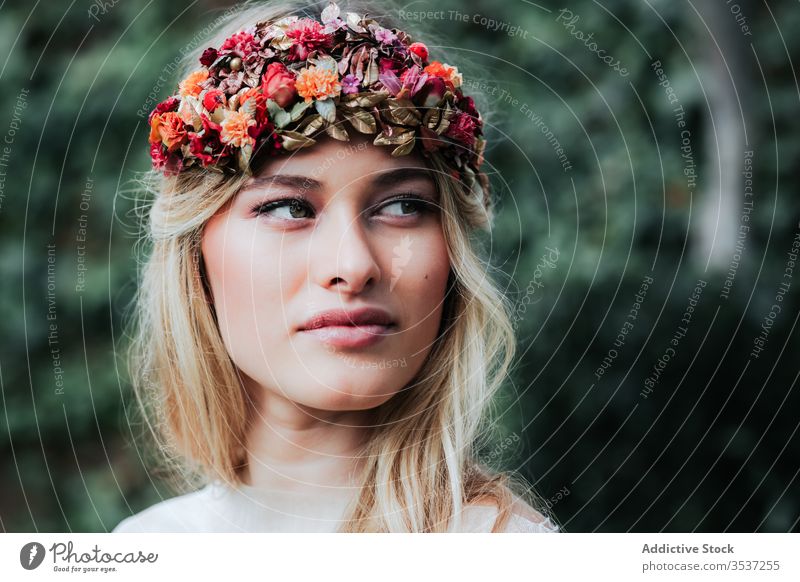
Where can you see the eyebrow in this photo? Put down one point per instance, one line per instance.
(384, 179)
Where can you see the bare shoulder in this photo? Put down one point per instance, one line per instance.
(480, 516)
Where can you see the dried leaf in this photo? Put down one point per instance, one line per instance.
(361, 120)
(281, 43)
(330, 13)
(393, 136)
(372, 72)
(353, 22)
(363, 99)
(431, 118)
(404, 149)
(336, 131)
(401, 111)
(292, 140)
(311, 124)
(249, 107)
(243, 157)
(444, 122)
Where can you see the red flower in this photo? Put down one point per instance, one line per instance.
(431, 93)
(170, 104)
(386, 64)
(269, 142)
(278, 84)
(462, 128)
(308, 35)
(419, 49)
(213, 99)
(261, 103)
(242, 43)
(208, 57)
(168, 128)
(206, 144)
(169, 163)
(467, 105)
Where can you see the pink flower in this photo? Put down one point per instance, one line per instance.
(350, 84)
(278, 84)
(407, 85)
(308, 35)
(385, 36)
(242, 43)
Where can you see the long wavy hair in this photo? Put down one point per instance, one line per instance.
(421, 465)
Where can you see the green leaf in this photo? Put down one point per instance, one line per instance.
(277, 113)
(273, 108)
(298, 109)
(327, 109)
(282, 119)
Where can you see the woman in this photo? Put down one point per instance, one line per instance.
(317, 339)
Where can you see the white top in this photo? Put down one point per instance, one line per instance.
(218, 507)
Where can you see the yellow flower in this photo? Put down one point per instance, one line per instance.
(191, 84)
(317, 83)
(234, 128)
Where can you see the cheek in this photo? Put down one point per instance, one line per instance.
(250, 279)
(418, 278)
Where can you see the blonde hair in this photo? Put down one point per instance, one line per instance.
(420, 468)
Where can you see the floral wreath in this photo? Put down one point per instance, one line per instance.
(271, 87)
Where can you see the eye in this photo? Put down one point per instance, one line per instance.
(286, 209)
(406, 205)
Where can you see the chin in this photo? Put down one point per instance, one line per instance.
(342, 388)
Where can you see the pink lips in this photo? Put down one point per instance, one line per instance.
(349, 329)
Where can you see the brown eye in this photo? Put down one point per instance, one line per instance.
(407, 206)
(287, 209)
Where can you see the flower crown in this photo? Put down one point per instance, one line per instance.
(271, 87)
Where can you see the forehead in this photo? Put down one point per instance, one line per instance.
(336, 163)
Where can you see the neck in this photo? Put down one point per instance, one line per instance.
(299, 450)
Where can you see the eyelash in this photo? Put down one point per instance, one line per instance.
(425, 205)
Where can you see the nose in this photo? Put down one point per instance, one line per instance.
(342, 257)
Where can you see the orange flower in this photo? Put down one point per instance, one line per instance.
(252, 92)
(191, 84)
(167, 128)
(444, 71)
(317, 83)
(235, 128)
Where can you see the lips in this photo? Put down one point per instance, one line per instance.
(349, 329)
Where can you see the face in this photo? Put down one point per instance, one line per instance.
(328, 273)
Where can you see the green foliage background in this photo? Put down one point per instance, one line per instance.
(713, 448)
